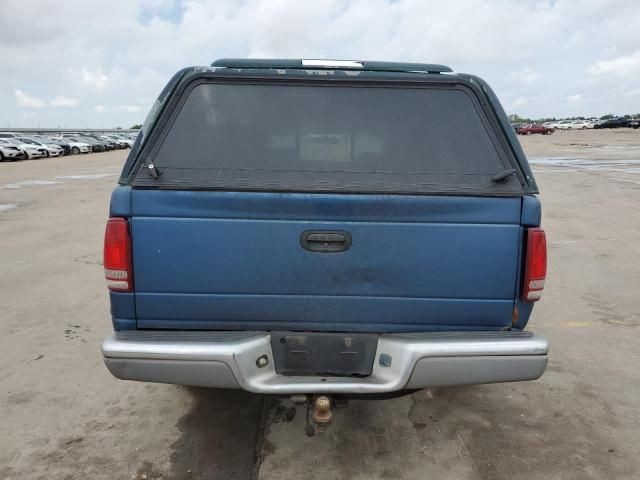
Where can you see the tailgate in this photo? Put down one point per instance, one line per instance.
(237, 261)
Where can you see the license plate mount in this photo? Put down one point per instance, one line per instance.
(324, 354)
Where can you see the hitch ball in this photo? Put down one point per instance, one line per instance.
(322, 409)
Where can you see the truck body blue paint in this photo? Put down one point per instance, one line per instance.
(229, 268)
(418, 259)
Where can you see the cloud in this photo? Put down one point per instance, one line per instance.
(28, 101)
(518, 102)
(62, 101)
(119, 108)
(128, 108)
(574, 40)
(624, 65)
(576, 98)
(122, 56)
(527, 75)
(93, 79)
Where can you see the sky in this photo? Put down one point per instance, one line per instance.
(102, 63)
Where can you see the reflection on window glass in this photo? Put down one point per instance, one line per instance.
(329, 147)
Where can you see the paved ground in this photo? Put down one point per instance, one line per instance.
(63, 416)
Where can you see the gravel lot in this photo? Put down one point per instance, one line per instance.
(64, 416)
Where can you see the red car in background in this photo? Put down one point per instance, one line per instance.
(530, 128)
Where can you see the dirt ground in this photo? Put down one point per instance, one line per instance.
(620, 143)
(63, 416)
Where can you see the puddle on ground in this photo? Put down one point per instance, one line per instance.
(6, 207)
(94, 176)
(30, 183)
(58, 180)
(618, 147)
(576, 164)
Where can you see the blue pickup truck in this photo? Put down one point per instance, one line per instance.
(316, 227)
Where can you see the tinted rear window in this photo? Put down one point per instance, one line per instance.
(328, 138)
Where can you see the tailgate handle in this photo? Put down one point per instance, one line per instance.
(325, 241)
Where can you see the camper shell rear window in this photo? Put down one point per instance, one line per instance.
(340, 137)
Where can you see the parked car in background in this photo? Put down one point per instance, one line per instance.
(578, 125)
(564, 125)
(93, 143)
(128, 140)
(121, 142)
(10, 152)
(52, 149)
(108, 144)
(66, 148)
(100, 145)
(613, 123)
(96, 146)
(31, 149)
(75, 145)
(65, 145)
(634, 123)
(532, 128)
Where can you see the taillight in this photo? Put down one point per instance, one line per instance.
(535, 267)
(117, 255)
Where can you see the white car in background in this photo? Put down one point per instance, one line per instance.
(127, 141)
(10, 152)
(32, 150)
(52, 149)
(76, 147)
(580, 124)
(565, 125)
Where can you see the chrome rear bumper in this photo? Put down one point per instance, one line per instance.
(418, 360)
